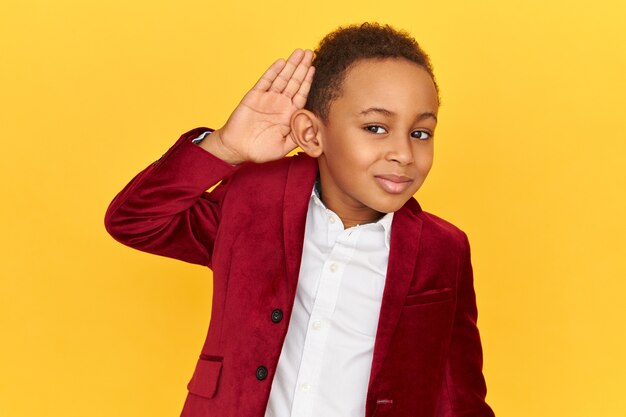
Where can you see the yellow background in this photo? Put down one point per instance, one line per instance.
(531, 150)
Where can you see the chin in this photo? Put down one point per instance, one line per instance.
(390, 207)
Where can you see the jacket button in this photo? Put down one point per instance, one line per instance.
(261, 373)
(277, 315)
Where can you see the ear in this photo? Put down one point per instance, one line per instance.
(305, 132)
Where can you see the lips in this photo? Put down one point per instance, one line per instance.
(394, 184)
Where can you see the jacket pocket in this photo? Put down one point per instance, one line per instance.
(431, 296)
(206, 376)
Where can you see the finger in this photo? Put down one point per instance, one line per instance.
(299, 100)
(268, 77)
(299, 75)
(278, 85)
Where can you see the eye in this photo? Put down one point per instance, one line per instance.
(379, 130)
(420, 134)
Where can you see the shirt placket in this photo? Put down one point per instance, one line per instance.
(307, 385)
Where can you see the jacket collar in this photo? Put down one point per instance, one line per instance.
(405, 241)
(300, 179)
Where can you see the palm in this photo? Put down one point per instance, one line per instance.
(258, 130)
(263, 119)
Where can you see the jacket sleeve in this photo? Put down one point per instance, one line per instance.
(464, 387)
(166, 210)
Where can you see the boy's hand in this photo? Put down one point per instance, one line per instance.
(259, 128)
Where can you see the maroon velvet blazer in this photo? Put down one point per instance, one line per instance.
(249, 230)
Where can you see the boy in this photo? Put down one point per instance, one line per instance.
(334, 293)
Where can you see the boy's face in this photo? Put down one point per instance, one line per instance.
(377, 142)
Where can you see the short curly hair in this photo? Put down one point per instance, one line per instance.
(342, 48)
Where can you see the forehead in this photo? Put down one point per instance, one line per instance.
(396, 84)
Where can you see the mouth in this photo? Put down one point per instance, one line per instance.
(394, 184)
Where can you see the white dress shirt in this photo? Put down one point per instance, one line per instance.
(325, 362)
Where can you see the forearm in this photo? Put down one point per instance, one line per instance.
(165, 209)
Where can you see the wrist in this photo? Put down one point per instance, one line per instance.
(215, 145)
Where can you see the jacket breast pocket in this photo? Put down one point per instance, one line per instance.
(206, 376)
(430, 296)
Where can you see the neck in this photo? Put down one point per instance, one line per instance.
(350, 214)
(351, 222)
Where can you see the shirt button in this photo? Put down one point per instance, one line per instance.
(331, 220)
(261, 373)
(333, 267)
(305, 387)
(317, 325)
(277, 315)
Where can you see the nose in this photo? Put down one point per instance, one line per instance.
(400, 150)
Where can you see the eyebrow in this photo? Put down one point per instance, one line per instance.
(389, 113)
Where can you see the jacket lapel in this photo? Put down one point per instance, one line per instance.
(299, 185)
(405, 237)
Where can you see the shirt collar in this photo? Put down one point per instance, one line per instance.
(385, 221)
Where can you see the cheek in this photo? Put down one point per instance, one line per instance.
(424, 160)
(353, 158)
